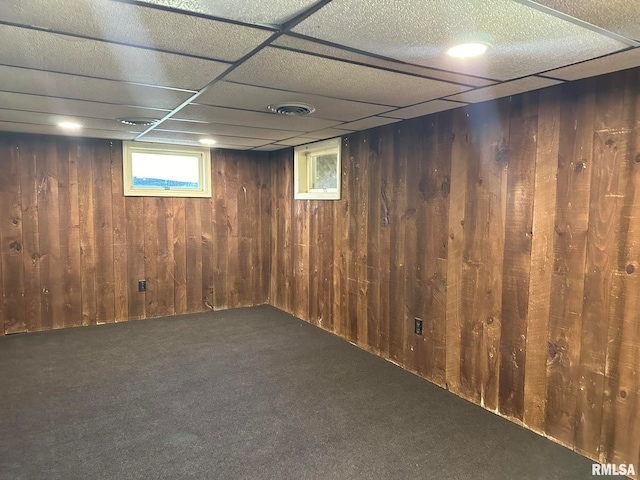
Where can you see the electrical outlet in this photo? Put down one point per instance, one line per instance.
(418, 326)
(142, 285)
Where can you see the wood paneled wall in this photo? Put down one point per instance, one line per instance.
(512, 228)
(73, 247)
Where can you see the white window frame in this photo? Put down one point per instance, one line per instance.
(204, 174)
(303, 170)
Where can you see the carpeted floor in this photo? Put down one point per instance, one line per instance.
(250, 393)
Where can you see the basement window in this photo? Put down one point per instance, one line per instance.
(155, 170)
(317, 171)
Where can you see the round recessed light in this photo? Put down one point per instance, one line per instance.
(139, 122)
(207, 141)
(292, 108)
(70, 125)
(468, 50)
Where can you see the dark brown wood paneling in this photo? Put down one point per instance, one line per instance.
(524, 273)
(12, 250)
(74, 248)
(570, 239)
(523, 133)
(543, 230)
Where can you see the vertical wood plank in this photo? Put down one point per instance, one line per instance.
(569, 250)
(484, 236)
(150, 225)
(179, 256)
(87, 233)
(206, 219)
(340, 241)
(542, 247)
(604, 210)
(435, 260)
(49, 228)
(103, 233)
(119, 225)
(364, 287)
(30, 234)
(351, 253)
(517, 253)
(233, 190)
(421, 133)
(620, 432)
(386, 204)
(222, 229)
(135, 256)
(164, 255)
(398, 211)
(457, 201)
(73, 289)
(193, 227)
(266, 227)
(11, 238)
(372, 240)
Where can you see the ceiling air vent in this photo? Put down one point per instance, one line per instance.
(292, 108)
(139, 122)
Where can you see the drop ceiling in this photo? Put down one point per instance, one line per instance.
(211, 68)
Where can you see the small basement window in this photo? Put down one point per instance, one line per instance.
(157, 170)
(317, 171)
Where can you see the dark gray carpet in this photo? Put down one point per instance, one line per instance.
(247, 393)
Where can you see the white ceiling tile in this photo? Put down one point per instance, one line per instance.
(235, 95)
(292, 142)
(223, 139)
(306, 45)
(599, 66)
(327, 133)
(67, 54)
(135, 25)
(505, 89)
(63, 106)
(273, 12)
(179, 138)
(619, 16)
(53, 130)
(231, 130)
(421, 109)
(371, 122)
(25, 80)
(270, 148)
(230, 116)
(524, 40)
(53, 119)
(278, 68)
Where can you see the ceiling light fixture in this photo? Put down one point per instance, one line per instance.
(70, 125)
(139, 122)
(207, 141)
(468, 50)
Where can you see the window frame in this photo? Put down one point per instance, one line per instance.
(204, 170)
(302, 170)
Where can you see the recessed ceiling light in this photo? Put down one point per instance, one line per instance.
(207, 141)
(139, 122)
(70, 125)
(467, 50)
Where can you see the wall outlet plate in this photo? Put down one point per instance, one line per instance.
(142, 285)
(418, 326)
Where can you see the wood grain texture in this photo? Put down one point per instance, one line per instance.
(541, 270)
(570, 240)
(73, 248)
(523, 133)
(520, 273)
